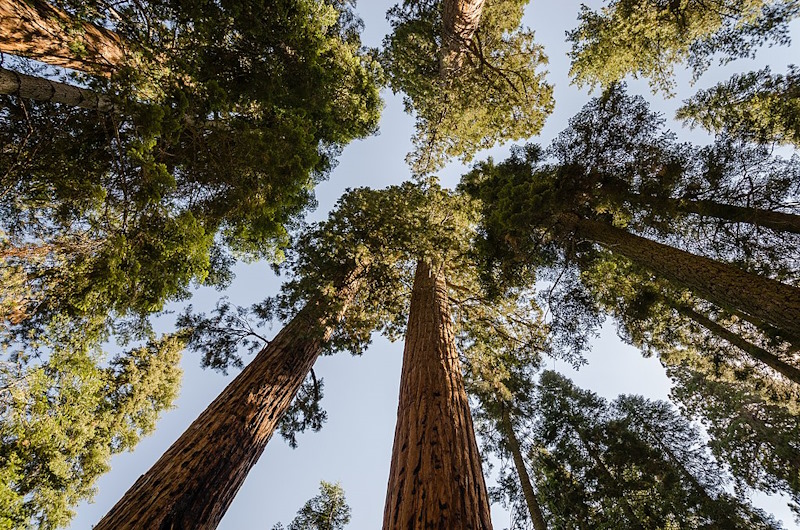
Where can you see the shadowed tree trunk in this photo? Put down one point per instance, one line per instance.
(435, 480)
(35, 29)
(778, 221)
(756, 352)
(41, 89)
(195, 480)
(460, 21)
(722, 284)
(524, 478)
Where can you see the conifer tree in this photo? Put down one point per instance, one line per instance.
(648, 38)
(468, 71)
(64, 415)
(326, 511)
(533, 217)
(632, 464)
(760, 106)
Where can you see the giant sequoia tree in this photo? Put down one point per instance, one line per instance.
(468, 71)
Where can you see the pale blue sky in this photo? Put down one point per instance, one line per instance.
(354, 446)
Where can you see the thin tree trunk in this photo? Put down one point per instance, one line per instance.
(435, 480)
(460, 21)
(710, 502)
(756, 352)
(35, 29)
(194, 482)
(609, 482)
(41, 89)
(522, 472)
(771, 331)
(722, 284)
(778, 221)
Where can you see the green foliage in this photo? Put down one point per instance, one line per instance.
(633, 463)
(62, 418)
(647, 38)
(494, 95)
(227, 116)
(758, 106)
(326, 511)
(757, 440)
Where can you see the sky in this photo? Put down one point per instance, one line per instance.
(354, 446)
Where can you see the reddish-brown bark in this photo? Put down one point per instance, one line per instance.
(35, 29)
(722, 284)
(435, 480)
(194, 482)
(460, 21)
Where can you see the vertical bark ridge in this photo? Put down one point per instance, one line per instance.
(35, 29)
(436, 480)
(720, 283)
(196, 479)
(524, 478)
(460, 21)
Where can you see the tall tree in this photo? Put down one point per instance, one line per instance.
(435, 479)
(64, 415)
(217, 451)
(469, 72)
(326, 511)
(759, 106)
(42, 31)
(755, 439)
(634, 458)
(648, 38)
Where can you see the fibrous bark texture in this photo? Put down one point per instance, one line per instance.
(194, 482)
(435, 480)
(460, 21)
(722, 284)
(41, 89)
(35, 29)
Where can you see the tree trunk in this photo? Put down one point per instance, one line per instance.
(435, 480)
(41, 89)
(756, 352)
(709, 502)
(195, 480)
(722, 284)
(778, 221)
(522, 473)
(609, 482)
(35, 29)
(460, 21)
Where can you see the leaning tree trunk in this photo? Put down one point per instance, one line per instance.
(720, 283)
(35, 29)
(756, 352)
(41, 89)
(777, 221)
(524, 478)
(460, 21)
(194, 482)
(435, 480)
